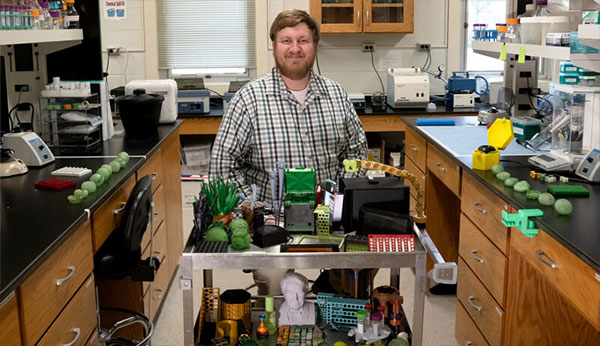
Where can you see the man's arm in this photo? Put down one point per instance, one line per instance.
(357, 141)
(231, 145)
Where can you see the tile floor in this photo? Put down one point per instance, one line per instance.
(439, 309)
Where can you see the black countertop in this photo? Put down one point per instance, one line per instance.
(579, 232)
(34, 223)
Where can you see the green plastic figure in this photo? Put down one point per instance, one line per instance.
(240, 240)
(533, 194)
(497, 168)
(521, 186)
(546, 199)
(216, 232)
(503, 176)
(510, 182)
(521, 221)
(563, 206)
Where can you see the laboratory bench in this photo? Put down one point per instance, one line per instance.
(47, 244)
(511, 289)
(372, 120)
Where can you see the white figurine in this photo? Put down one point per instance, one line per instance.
(294, 310)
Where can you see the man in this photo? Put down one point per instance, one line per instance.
(288, 114)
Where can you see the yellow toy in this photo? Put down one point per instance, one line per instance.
(500, 134)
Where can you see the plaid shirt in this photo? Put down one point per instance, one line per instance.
(265, 124)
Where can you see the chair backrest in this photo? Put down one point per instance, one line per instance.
(136, 213)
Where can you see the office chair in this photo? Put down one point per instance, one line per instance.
(120, 257)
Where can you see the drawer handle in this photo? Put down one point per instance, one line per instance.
(476, 307)
(154, 175)
(438, 166)
(413, 147)
(468, 343)
(66, 278)
(358, 16)
(477, 207)
(120, 209)
(155, 215)
(367, 17)
(77, 332)
(474, 254)
(160, 294)
(157, 255)
(540, 255)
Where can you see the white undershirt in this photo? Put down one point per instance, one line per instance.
(300, 95)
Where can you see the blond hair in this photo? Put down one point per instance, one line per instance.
(291, 18)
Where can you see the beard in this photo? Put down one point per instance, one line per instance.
(292, 70)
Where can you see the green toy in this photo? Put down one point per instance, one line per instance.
(521, 186)
(216, 232)
(104, 172)
(497, 168)
(123, 155)
(510, 182)
(240, 240)
(89, 186)
(239, 225)
(350, 166)
(521, 221)
(97, 179)
(563, 206)
(546, 199)
(80, 193)
(115, 166)
(74, 199)
(121, 162)
(533, 194)
(503, 176)
(221, 196)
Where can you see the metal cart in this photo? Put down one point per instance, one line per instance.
(257, 258)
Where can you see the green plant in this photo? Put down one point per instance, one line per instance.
(221, 196)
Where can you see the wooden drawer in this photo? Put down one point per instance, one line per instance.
(159, 249)
(412, 168)
(484, 259)
(465, 330)
(576, 281)
(45, 293)
(479, 304)
(484, 208)
(444, 168)
(106, 219)
(159, 289)
(77, 321)
(10, 328)
(152, 167)
(416, 148)
(158, 197)
(93, 339)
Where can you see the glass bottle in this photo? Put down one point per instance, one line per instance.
(56, 23)
(45, 19)
(271, 320)
(541, 10)
(513, 34)
(72, 17)
(261, 331)
(501, 33)
(3, 25)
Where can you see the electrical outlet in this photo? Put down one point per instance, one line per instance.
(21, 87)
(368, 47)
(113, 51)
(423, 47)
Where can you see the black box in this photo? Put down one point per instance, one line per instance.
(377, 221)
(387, 193)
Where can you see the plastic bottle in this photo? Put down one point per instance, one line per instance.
(501, 33)
(56, 22)
(376, 318)
(541, 8)
(513, 34)
(72, 17)
(271, 320)
(261, 331)
(368, 317)
(2, 17)
(361, 315)
(45, 19)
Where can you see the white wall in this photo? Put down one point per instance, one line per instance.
(340, 56)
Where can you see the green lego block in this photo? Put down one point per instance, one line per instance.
(521, 221)
(300, 181)
(568, 190)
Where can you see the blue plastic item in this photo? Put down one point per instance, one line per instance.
(435, 122)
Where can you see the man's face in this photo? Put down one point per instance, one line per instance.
(294, 296)
(294, 51)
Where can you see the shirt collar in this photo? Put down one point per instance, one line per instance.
(316, 86)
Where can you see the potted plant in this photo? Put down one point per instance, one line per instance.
(222, 198)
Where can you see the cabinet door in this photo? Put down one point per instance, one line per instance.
(337, 16)
(388, 16)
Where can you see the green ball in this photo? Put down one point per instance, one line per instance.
(533, 194)
(80, 193)
(546, 199)
(73, 199)
(510, 182)
(521, 186)
(107, 166)
(503, 176)
(115, 166)
(104, 172)
(497, 168)
(124, 156)
(121, 161)
(88, 186)
(563, 206)
(97, 179)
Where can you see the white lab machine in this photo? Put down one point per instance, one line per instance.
(165, 87)
(29, 147)
(589, 167)
(552, 161)
(461, 100)
(407, 88)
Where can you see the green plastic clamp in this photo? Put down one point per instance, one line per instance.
(521, 221)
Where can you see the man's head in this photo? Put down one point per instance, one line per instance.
(294, 287)
(295, 37)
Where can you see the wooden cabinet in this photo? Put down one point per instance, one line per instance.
(10, 331)
(372, 16)
(537, 314)
(466, 331)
